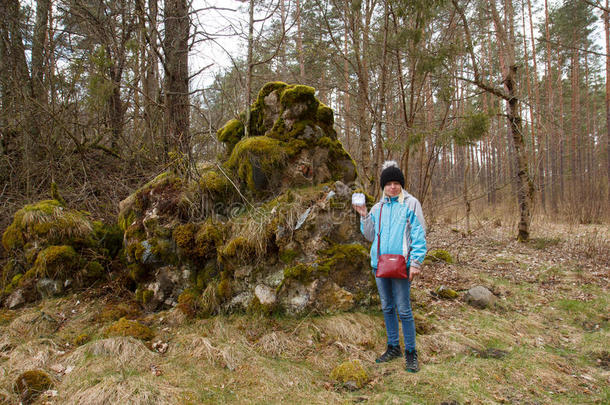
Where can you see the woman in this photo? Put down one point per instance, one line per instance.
(403, 232)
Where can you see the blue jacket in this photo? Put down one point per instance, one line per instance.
(403, 229)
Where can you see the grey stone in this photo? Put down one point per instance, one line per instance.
(479, 297)
(343, 191)
(147, 256)
(166, 287)
(265, 294)
(47, 287)
(15, 300)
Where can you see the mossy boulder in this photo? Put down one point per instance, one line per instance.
(48, 240)
(292, 142)
(447, 293)
(30, 384)
(350, 374)
(268, 228)
(438, 255)
(126, 327)
(231, 133)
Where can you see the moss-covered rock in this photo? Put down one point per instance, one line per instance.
(50, 240)
(12, 238)
(30, 384)
(126, 327)
(188, 302)
(447, 293)
(232, 226)
(351, 374)
(438, 255)
(256, 160)
(56, 262)
(231, 133)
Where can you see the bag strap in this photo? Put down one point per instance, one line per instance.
(379, 231)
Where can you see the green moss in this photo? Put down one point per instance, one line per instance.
(126, 327)
(215, 184)
(300, 271)
(55, 194)
(56, 262)
(49, 222)
(188, 302)
(109, 237)
(343, 261)
(269, 88)
(224, 290)
(287, 255)
(165, 188)
(184, 236)
(12, 238)
(208, 237)
(81, 339)
(231, 133)
(298, 94)
(16, 278)
(135, 251)
(137, 272)
(260, 153)
(350, 372)
(205, 275)
(446, 293)
(325, 116)
(438, 255)
(94, 270)
(163, 250)
(114, 312)
(126, 219)
(146, 296)
(238, 246)
(30, 384)
(255, 307)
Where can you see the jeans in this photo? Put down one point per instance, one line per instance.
(395, 294)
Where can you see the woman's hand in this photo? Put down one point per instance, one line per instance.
(413, 271)
(360, 209)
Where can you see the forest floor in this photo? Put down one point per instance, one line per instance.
(545, 341)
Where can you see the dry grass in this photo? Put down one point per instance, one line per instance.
(550, 330)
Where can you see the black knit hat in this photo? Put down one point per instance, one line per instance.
(391, 172)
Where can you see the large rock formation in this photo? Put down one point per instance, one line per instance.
(268, 228)
(52, 248)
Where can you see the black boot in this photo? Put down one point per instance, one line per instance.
(391, 353)
(411, 363)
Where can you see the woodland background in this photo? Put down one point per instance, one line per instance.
(496, 105)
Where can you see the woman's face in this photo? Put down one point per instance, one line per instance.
(392, 188)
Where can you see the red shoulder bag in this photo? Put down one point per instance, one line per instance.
(389, 266)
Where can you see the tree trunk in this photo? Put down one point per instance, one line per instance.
(177, 81)
(382, 101)
(540, 135)
(607, 35)
(300, 44)
(249, 66)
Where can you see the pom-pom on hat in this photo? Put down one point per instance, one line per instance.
(391, 172)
